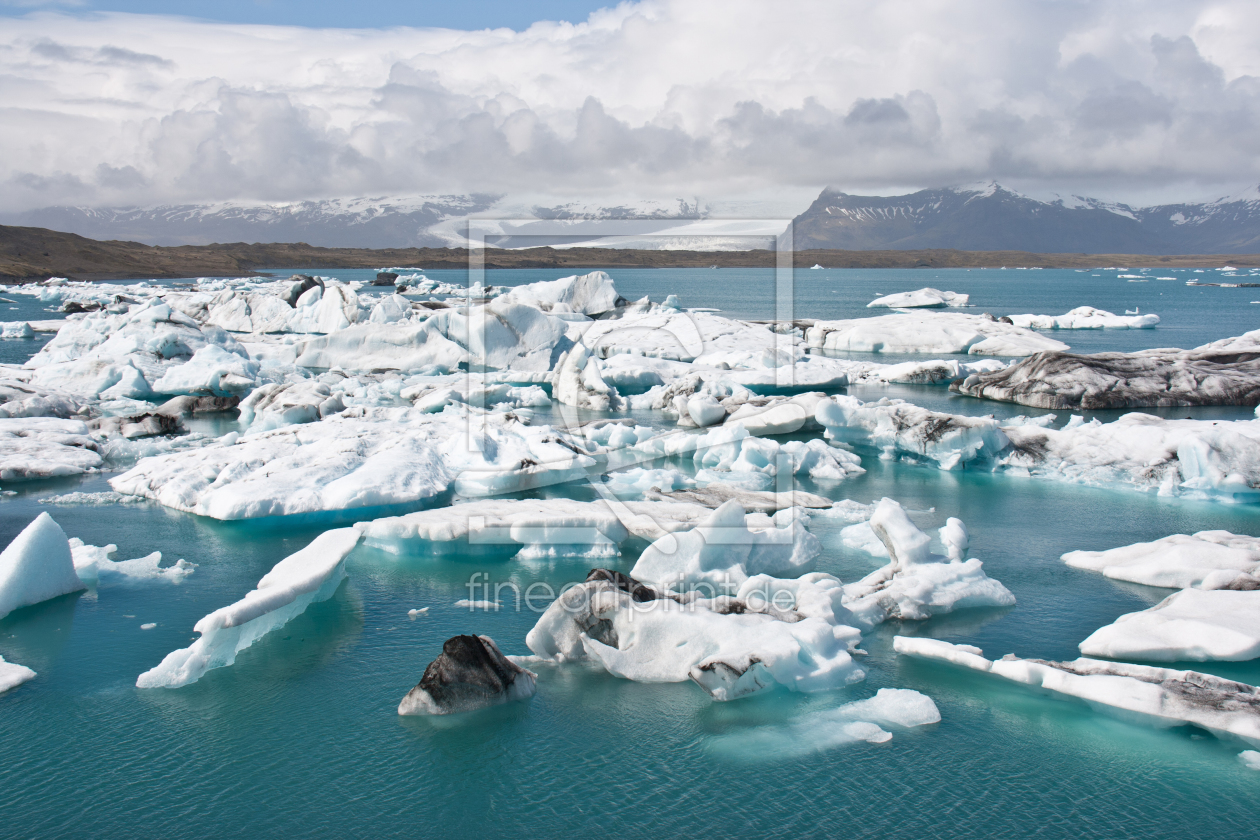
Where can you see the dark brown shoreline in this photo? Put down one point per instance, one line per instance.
(36, 254)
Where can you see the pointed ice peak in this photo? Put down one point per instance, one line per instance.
(984, 189)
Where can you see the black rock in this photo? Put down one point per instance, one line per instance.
(385, 278)
(470, 673)
(72, 306)
(625, 583)
(302, 283)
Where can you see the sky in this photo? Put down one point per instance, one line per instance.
(729, 101)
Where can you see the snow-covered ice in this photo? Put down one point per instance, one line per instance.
(928, 332)
(1085, 318)
(1190, 626)
(36, 566)
(925, 297)
(12, 675)
(310, 575)
(45, 447)
(1205, 560)
(1157, 696)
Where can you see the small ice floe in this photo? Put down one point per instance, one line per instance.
(930, 332)
(1250, 759)
(857, 722)
(416, 613)
(36, 566)
(470, 673)
(477, 605)
(923, 298)
(149, 626)
(93, 565)
(1087, 318)
(12, 675)
(1159, 696)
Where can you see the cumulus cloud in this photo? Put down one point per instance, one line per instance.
(718, 98)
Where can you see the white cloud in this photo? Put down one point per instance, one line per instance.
(667, 99)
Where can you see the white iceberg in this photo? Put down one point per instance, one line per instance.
(310, 575)
(918, 584)
(925, 297)
(36, 566)
(12, 675)
(772, 632)
(1085, 318)
(45, 447)
(896, 426)
(1139, 693)
(93, 564)
(1205, 560)
(1192, 625)
(924, 332)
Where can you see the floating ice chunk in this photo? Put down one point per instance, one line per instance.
(78, 498)
(1086, 318)
(36, 566)
(211, 370)
(714, 495)
(310, 575)
(1250, 759)
(784, 632)
(861, 537)
(276, 405)
(723, 552)
(93, 564)
(850, 723)
(1191, 625)
(395, 346)
(413, 614)
(894, 426)
(917, 584)
(635, 483)
(1225, 372)
(470, 673)
(705, 411)
(1206, 560)
(579, 383)
(933, 372)
(16, 329)
(925, 297)
(923, 332)
(464, 603)
(588, 294)
(12, 675)
(44, 447)
(1158, 696)
(391, 308)
(149, 626)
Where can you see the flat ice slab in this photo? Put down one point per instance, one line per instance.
(12, 675)
(1206, 560)
(1155, 696)
(927, 332)
(925, 297)
(1190, 626)
(310, 575)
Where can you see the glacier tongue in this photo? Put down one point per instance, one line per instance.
(310, 575)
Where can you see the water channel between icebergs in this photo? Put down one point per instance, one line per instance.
(300, 737)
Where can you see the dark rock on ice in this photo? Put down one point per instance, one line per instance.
(471, 673)
(187, 405)
(385, 278)
(302, 283)
(625, 583)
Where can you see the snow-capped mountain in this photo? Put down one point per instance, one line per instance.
(993, 218)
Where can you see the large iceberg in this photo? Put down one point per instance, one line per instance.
(1192, 625)
(299, 580)
(1157, 696)
(924, 332)
(385, 456)
(1224, 372)
(45, 447)
(1206, 560)
(896, 426)
(36, 566)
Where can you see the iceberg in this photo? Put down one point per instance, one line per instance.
(923, 332)
(36, 566)
(1085, 318)
(93, 565)
(771, 632)
(918, 584)
(45, 447)
(1191, 626)
(310, 575)
(470, 673)
(1156, 696)
(12, 675)
(896, 426)
(1225, 372)
(925, 297)
(588, 294)
(1205, 560)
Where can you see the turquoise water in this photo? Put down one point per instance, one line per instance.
(300, 737)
